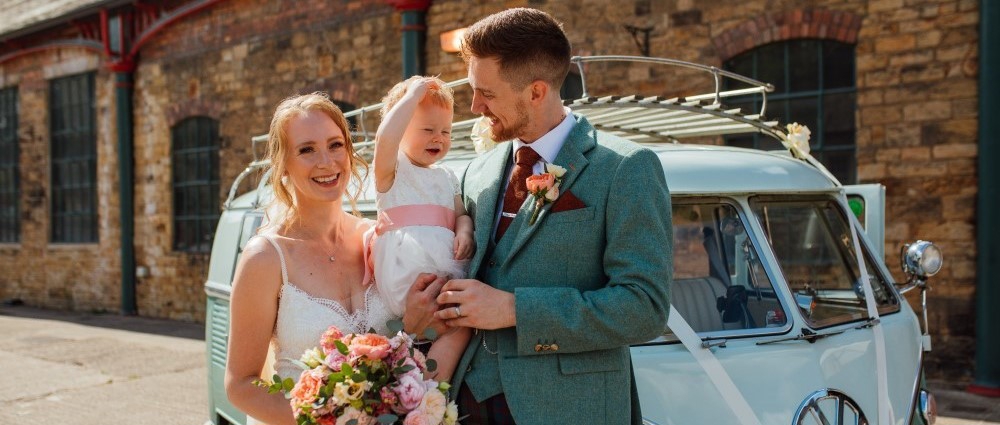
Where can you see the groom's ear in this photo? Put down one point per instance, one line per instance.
(539, 91)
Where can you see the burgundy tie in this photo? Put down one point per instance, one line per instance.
(517, 189)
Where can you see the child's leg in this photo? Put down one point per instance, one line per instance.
(447, 350)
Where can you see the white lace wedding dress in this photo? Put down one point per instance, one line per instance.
(302, 319)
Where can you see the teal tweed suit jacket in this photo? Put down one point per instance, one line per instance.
(587, 282)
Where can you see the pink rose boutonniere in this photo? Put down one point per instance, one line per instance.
(544, 187)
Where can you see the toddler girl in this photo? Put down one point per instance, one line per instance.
(422, 225)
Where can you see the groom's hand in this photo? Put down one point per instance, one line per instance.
(475, 304)
(421, 303)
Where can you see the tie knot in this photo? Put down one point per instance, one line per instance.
(526, 156)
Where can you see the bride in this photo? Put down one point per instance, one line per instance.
(306, 271)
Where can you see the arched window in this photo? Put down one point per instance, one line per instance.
(10, 193)
(814, 85)
(195, 183)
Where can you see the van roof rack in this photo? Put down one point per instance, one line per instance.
(643, 119)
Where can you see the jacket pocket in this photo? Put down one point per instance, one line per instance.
(591, 361)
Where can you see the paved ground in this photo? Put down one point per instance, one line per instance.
(86, 369)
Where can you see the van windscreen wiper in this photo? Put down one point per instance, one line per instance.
(806, 334)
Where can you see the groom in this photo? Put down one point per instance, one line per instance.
(558, 301)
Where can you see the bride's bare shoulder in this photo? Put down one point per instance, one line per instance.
(259, 265)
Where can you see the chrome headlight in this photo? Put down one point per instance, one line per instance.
(922, 259)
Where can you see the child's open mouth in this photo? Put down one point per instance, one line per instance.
(433, 151)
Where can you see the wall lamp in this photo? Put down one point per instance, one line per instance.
(451, 41)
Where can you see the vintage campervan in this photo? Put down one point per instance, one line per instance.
(783, 310)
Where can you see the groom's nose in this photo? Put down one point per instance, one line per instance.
(477, 103)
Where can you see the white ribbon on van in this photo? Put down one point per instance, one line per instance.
(713, 368)
(885, 414)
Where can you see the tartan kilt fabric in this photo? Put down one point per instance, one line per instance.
(492, 411)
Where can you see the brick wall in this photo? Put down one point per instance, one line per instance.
(916, 118)
(67, 276)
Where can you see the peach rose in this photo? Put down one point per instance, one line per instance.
(372, 346)
(307, 389)
(540, 182)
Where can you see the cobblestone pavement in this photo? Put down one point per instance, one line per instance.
(103, 369)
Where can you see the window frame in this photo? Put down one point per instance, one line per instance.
(10, 224)
(817, 141)
(72, 144)
(203, 214)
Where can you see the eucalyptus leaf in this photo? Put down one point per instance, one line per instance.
(287, 384)
(432, 365)
(395, 326)
(352, 422)
(430, 334)
(403, 369)
(387, 418)
(299, 363)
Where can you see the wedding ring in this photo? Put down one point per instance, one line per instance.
(458, 312)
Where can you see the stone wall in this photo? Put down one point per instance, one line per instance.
(916, 118)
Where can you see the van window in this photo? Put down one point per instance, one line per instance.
(812, 242)
(719, 283)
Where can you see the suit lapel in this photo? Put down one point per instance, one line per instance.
(490, 177)
(571, 157)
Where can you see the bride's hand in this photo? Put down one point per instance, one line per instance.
(421, 303)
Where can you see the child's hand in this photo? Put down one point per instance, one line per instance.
(464, 245)
(421, 86)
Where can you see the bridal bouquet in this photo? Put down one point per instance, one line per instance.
(366, 379)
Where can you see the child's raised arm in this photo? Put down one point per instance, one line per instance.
(390, 132)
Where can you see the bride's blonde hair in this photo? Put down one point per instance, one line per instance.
(283, 207)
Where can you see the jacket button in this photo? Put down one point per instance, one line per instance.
(539, 348)
(493, 262)
(554, 347)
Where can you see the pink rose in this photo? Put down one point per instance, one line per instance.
(335, 359)
(329, 339)
(540, 182)
(418, 417)
(372, 346)
(352, 413)
(410, 391)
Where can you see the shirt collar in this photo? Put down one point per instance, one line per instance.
(548, 145)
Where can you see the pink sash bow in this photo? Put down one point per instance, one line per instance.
(404, 216)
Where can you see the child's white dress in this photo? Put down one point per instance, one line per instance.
(403, 250)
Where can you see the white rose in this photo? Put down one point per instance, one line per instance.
(451, 414)
(555, 170)
(482, 136)
(312, 357)
(798, 138)
(553, 193)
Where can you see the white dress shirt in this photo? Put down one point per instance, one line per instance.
(547, 147)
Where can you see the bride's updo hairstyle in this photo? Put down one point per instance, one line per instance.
(277, 149)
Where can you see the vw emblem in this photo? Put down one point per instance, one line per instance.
(829, 407)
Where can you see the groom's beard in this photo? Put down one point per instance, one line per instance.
(516, 127)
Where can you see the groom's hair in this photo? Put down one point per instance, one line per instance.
(528, 44)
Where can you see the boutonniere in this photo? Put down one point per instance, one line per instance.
(798, 140)
(482, 136)
(544, 187)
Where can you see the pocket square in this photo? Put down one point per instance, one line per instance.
(567, 201)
